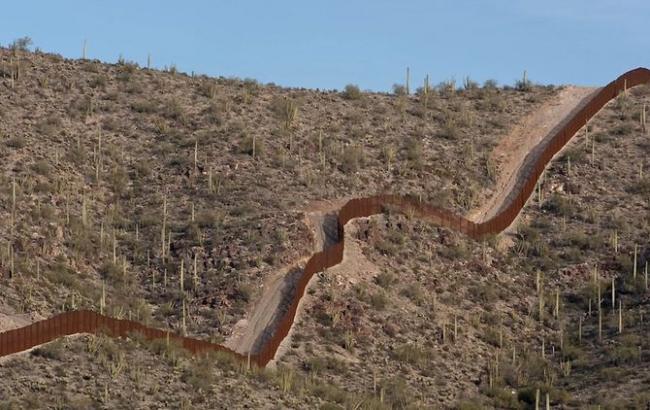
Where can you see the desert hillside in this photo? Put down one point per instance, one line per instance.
(183, 201)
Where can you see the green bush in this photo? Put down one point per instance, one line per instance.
(352, 92)
(559, 205)
(41, 167)
(51, 351)
(15, 142)
(21, 44)
(173, 110)
(378, 300)
(414, 292)
(246, 146)
(399, 89)
(484, 292)
(385, 279)
(144, 106)
(575, 154)
(352, 160)
(640, 186)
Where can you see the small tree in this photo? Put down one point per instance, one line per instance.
(352, 92)
(399, 89)
(21, 44)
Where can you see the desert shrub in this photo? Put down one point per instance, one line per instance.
(575, 154)
(398, 393)
(193, 233)
(15, 142)
(61, 274)
(353, 159)
(572, 352)
(118, 180)
(352, 92)
(143, 168)
(623, 263)
(412, 354)
(455, 252)
(559, 205)
(79, 108)
(209, 218)
(111, 272)
(98, 81)
(285, 109)
(640, 186)
(611, 373)
(490, 84)
(21, 44)
(446, 88)
(414, 150)
(414, 292)
(208, 88)
(469, 84)
(484, 292)
(378, 300)
(580, 240)
(623, 129)
(145, 106)
(173, 110)
(246, 146)
(51, 351)
(470, 404)
(524, 84)
(495, 102)
(449, 130)
(385, 279)
(243, 292)
(49, 126)
(602, 138)
(399, 89)
(45, 213)
(199, 375)
(386, 247)
(41, 167)
(502, 397)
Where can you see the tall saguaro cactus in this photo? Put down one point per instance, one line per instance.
(408, 80)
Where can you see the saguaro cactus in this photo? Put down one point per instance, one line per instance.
(408, 80)
(164, 224)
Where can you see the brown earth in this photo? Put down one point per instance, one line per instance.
(514, 149)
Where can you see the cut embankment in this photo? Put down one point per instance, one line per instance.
(519, 147)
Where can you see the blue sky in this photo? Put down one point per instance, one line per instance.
(329, 44)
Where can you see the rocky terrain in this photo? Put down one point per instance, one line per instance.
(173, 198)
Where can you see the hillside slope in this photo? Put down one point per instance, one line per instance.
(44, 261)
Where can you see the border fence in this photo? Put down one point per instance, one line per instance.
(86, 321)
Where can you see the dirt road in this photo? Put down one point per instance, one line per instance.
(523, 143)
(250, 333)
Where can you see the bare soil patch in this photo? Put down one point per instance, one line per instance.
(515, 149)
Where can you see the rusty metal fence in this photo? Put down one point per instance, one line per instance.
(85, 321)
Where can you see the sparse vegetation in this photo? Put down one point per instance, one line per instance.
(109, 193)
(352, 92)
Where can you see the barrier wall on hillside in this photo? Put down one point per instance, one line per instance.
(85, 321)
